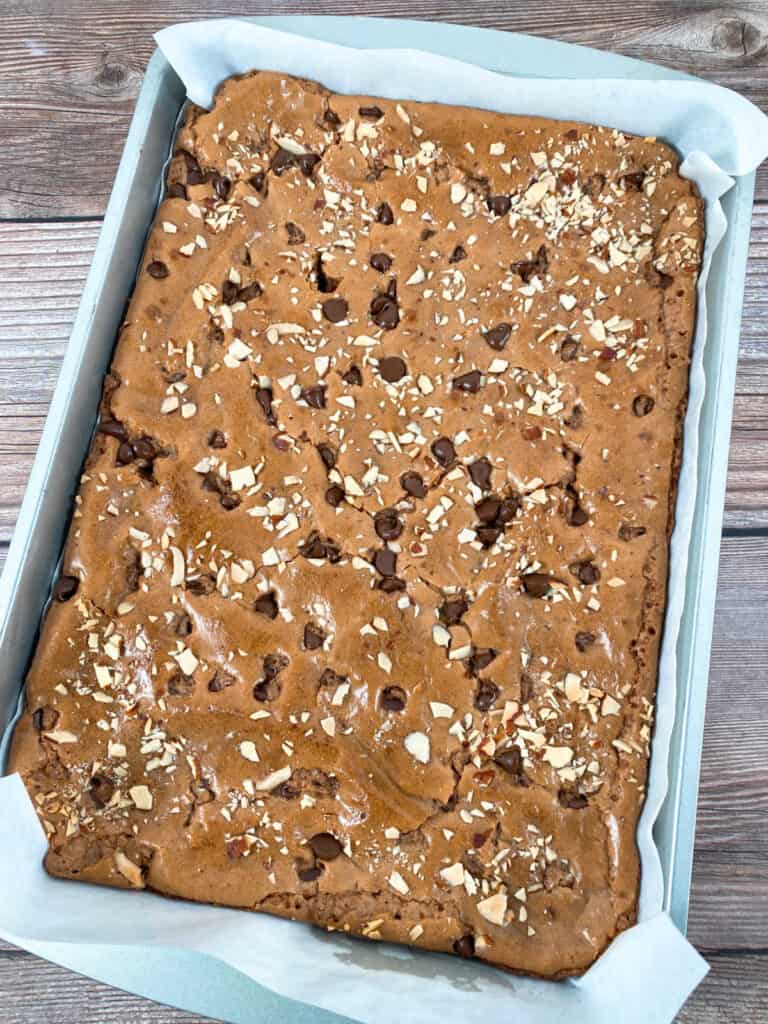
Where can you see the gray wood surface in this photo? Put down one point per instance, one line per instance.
(69, 75)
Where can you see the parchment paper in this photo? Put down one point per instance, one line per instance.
(647, 973)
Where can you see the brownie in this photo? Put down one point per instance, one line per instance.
(362, 598)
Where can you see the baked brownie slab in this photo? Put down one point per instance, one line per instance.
(362, 598)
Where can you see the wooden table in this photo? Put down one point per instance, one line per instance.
(69, 75)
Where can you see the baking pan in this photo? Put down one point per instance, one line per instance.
(45, 511)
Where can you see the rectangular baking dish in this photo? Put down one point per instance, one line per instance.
(44, 515)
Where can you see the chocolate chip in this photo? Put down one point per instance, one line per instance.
(113, 428)
(393, 698)
(480, 473)
(499, 205)
(488, 509)
(584, 640)
(528, 269)
(488, 535)
(228, 500)
(536, 584)
(655, 278)
(331, 118)
(180, 685)
(125, 454)
(385, 312)
(101, 790)
(480, 659)
(373, 112)
(314, 396)
(452, 610)
(296, 235)
(176, 191)
(311, 873)
(314, 637)
(195, 175)
(283, 159)
(258, 181)
(65, 588)
(202, 586)
(586, 572)
(264, 398)
(249, 292)
(387, 524)
(527, 688)
(633, 182)
(183, 625)
(576, 418)
(328, 454)
(335, 495)
(465, 946)
(267, 605)
(353, 376)
(274, 664)
(330, 678)
(381, 262)
(216, 439)
(470, 382)
(511, 761)
(392, 369)
(157, 269)
(486, 696)
(571, 799)
(510, 506)
(458, 254)
(45, 718)
(498, 336)
(325, 846)
(569, 349)
(443, 451)
(629, 532)
(335, 310)
(266, 690)
(594, 184)
(325, 283)
(413, 484)
(426, 234)
(222, 186)
(146, 449)
(390, 584)
(642, 405)
(220, 681)
(385, 562)
(315, 546)
(384, 214)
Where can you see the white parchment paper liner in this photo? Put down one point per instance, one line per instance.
(650, 969)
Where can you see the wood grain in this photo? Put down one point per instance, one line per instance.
(70, 73)
(42, 271)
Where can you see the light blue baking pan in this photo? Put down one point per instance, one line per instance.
(44, 516)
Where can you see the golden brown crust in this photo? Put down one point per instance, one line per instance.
(362, 600)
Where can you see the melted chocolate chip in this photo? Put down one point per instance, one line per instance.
(125, 454)
(296, 235)
(385, 562)
(315, 546)
(458, 254)
(629, 532)
(372, 112)
(327, 453)
(488, 509)
(258, 181)
(335, 495)
(176, 191)
(633, 182)
(413, 484)
(584, 640)
(393, 698)
(249, 292)
(325, 846)
(264, 398)
(486, 696)
(45, 718)
(480, 659)
(65, 588)
(381, 262)
(586, 572)
(266, 604)
(183, 625)
(330, 678)
(571, 799)
(390, 584)
(536, 584)
(335, 310)
(222, 186)
(216, 439)
(113, 428)
(642, 405)
(314, 637)
(311, 873)
(331, 118)
(511, 761)
(452, 610)
(180, 685)
(283, 160)
(569, 349)
(202, 586)
(157, 269)
(384, 214)
(528, 269)
(470, 382)
(443, 451)
(314, 396)
(353, 376)
(220, 681)
(387, 524)
(392, 369)
(499, 205)
(498, 336)
(465, 946)
(385, 312)
(101, 790)
(480, 473)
